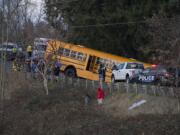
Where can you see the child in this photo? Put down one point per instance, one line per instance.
(100, 96)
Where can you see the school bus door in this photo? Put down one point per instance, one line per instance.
(91, 64)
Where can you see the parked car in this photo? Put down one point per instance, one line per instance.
(7, 48)
(157, 75)
(126, 71)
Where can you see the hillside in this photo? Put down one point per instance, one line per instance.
(63, 112)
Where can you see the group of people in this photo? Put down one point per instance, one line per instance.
(19, 58)
(37, 66)
(53, 70)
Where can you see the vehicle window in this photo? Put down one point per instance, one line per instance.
(120, 66)
(66, 52)
(81, 56)
(146, 71)
(8, 46)
(162, 70)
(108, 63)
(99, 61)
(171, 70)
(134, 66)
(153, 71)
(140, 66)
(113, 63)
(60, 51)
(73, 54)
(40, 47)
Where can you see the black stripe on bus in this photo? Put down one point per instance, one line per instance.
(73, 62)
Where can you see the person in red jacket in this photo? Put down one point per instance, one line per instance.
(100, 96)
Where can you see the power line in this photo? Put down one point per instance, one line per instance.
(107, 24)
(121, 23)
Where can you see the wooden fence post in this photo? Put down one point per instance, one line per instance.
(136, 87)
(178, 105)
(154, 90)
(86, 84)
(172, 90)
(162, 90)
(78, 82)
(93, 84)
(127, 87)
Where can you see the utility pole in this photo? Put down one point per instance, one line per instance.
(1, 71)
(5, 37)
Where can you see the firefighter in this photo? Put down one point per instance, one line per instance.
(14, 53)
(29, 51)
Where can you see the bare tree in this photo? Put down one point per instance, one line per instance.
(165, 43)
(52, 55)
(165, 33)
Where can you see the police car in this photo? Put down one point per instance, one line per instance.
(158, 75)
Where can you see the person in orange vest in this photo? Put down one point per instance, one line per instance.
(100, 95)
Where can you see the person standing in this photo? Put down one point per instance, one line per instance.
(102, 74)
(29, 51)
(14, 53)
(57, 67)
(34, 68)
(100, 96)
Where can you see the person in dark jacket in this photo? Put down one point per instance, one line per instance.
(102, 74)
(57, 67)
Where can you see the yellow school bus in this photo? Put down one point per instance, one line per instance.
(83, 62)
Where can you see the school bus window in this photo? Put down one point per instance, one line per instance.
(80, 56)
(102, 60)
(84, 57)
(112, 63)
(60, 51)
(73, 54)
(99, 61)
(66, 52)
(108, 63)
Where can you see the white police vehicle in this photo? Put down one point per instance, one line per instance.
(126, 71)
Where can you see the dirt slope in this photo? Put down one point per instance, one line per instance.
(118, 105)
(28, 111)
(63, 112)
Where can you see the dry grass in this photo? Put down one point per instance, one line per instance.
(28, 111)
(117, 105)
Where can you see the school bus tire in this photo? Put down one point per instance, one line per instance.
(70, 72)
